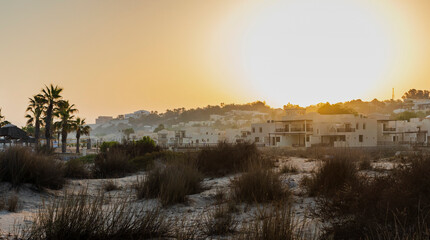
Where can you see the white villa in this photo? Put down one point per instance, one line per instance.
(306, 130)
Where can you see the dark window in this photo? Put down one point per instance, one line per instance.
(307, 138)
(360, 138)
(364, 126)
(278, 139)
(257, 139)
(356, 126)
(261, 129)
(253, 130)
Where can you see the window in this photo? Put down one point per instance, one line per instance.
(257, 139)
(364, 126)
(318, 131)
(307, 138)
(206, 133)
(356, 126)
(278, 139)
(261, 129)
(253, 130)
(360, 138)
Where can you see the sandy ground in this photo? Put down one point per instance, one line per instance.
(31, 200)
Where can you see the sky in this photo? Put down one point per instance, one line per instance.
(115, 57)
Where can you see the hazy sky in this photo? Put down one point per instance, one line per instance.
(115, 57)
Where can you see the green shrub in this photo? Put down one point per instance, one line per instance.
(88, 159)
(105, 146)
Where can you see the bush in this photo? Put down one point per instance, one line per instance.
(171, 184)
(12, 203)
(333, 175)
(132, 149)
(219, 221)
(114, 163)
(110, 186)
(390, 206)
(259, 184)
(88, 159)
(105, 146)
(289, 168)
(82, 217)
(365, 165)
(20, 165)
(75, 168)
(275, 223)
(226, 158)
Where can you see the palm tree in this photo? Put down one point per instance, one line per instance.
(2, 122)
(80, 128)
(35, 109)
(65, 111)
(51, 95)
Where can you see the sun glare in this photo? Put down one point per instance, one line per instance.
(308, 51)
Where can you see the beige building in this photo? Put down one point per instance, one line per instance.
(413, 132)
(311, 129)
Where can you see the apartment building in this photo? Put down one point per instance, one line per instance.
(310, 129)
(413, 132)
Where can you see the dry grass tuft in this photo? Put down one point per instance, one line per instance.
(226, 158)
(275, 223)
(259, 185)
(82, 217)
(219, 221)
(171, 184)
(110, 185)
(75, 168)
(20, 165)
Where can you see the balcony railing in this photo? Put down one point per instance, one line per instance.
(345, 129)
(386, 129)
(293, 129)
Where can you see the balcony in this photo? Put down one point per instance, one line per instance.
(293, 129)
(342, 130)
(387, 129)
(281, 130)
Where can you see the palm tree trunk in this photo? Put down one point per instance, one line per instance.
(78, 136)
(37, 132)
(48, 122)
(64, 140)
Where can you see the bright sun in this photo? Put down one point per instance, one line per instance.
(308, 51)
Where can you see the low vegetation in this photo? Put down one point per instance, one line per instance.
(116, 160)
(226, 158)
(19, 165)
(259, 184)
(275, 223)
(171, 184)
(389, 206)
(76, 168)
(219, 221)
(82, 217)
(333, 175)
(110, 185)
